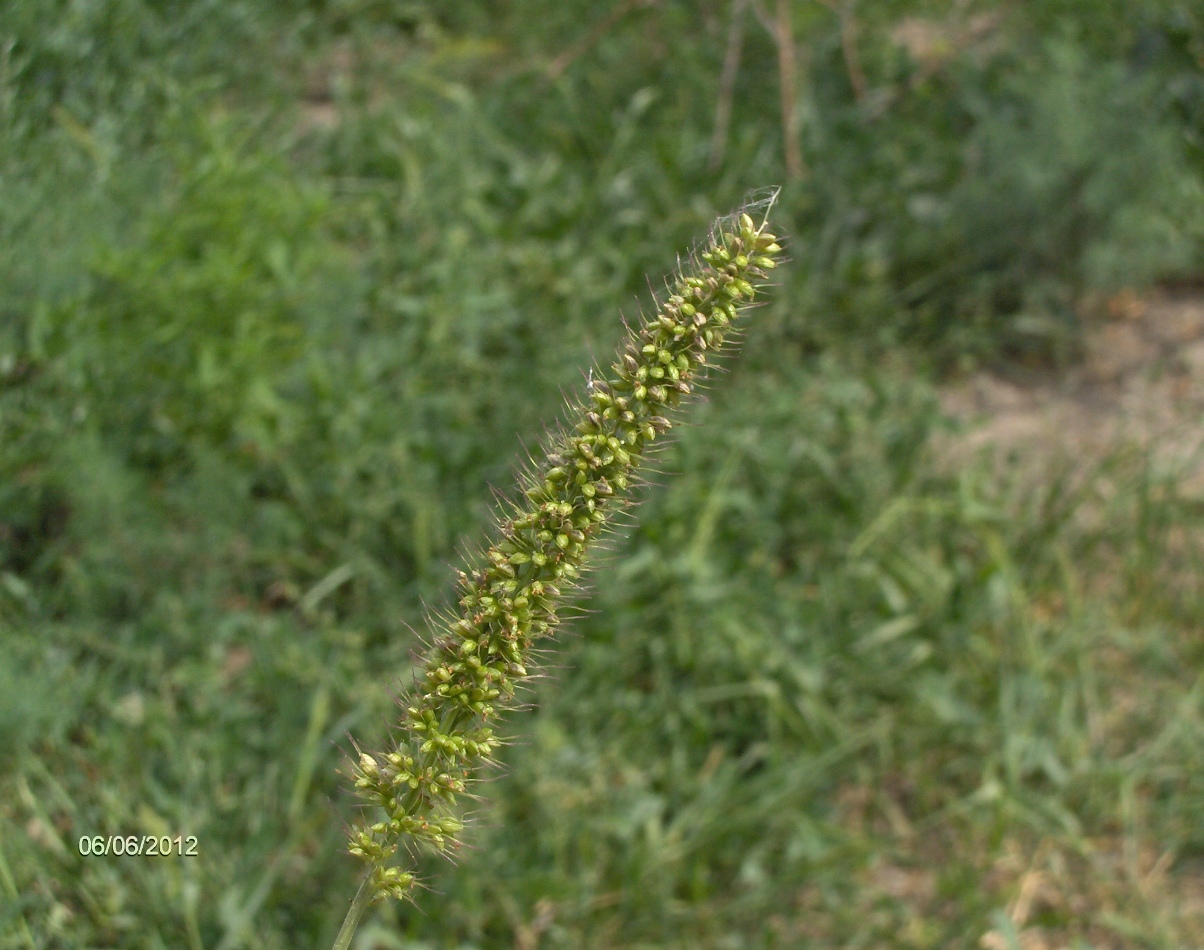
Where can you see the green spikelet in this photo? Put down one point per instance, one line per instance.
(508, 599)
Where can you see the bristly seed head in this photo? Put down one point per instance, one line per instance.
(510, 596)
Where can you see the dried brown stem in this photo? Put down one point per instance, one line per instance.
(848, 44)
(727, 83)
(852, 58)
(787, 69)
(779, 27)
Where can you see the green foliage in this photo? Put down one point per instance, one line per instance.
(1059, 197)
(99, 65)
(202, 312)
(833, 689)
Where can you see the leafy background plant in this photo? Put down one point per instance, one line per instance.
(285, 286)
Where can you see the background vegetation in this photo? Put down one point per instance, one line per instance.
(829, 691)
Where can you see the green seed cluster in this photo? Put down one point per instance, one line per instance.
(508, 601)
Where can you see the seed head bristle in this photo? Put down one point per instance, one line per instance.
(578, 486)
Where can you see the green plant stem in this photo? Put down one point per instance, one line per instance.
(363, 897)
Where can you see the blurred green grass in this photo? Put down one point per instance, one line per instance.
(284, 288)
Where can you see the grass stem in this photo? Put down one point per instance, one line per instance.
(363, 897)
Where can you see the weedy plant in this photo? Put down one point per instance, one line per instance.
(509, 597)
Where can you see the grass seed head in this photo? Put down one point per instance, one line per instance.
(480, 657)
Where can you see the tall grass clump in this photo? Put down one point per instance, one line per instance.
(479, 657)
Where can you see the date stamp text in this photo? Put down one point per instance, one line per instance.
(141, 846)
